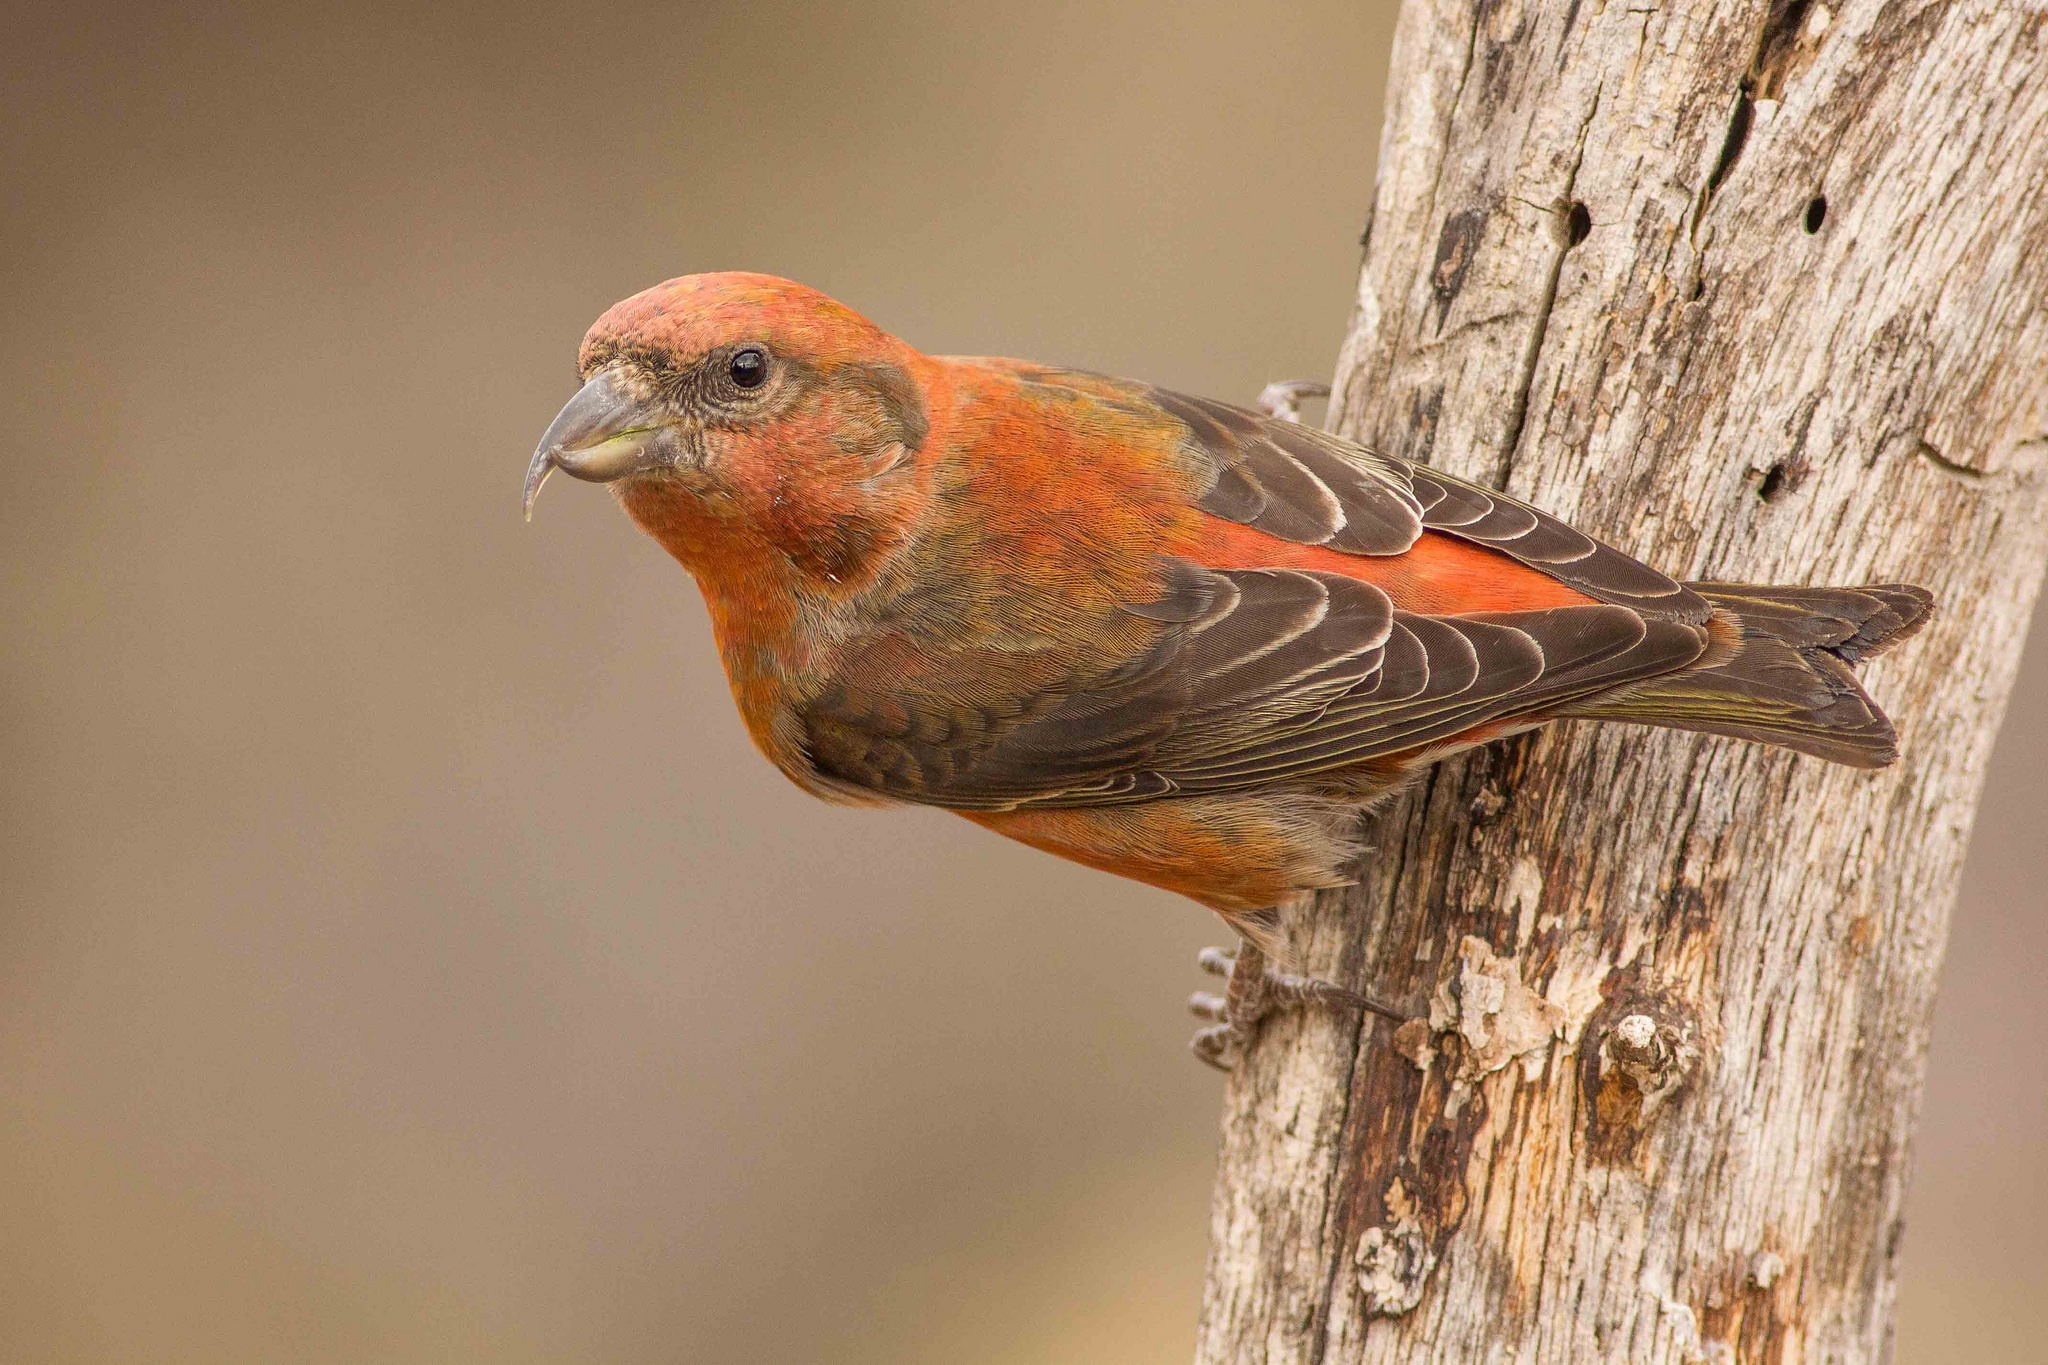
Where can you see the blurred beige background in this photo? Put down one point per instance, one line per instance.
(403, 956)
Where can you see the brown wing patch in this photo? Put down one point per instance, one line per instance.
(1279, 478)
(1300, 484)
(1257, 677)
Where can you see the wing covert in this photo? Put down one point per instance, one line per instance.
(1302, 484)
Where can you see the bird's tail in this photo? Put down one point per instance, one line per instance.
(1780, 673)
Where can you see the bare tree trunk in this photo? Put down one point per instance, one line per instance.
(1755, 290)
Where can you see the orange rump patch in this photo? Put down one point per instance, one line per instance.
(1439, 576)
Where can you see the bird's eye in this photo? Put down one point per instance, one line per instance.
(748, 368)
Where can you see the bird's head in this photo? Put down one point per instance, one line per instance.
(741, 409)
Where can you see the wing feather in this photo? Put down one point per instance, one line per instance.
(1258, 676)
(1282, 478)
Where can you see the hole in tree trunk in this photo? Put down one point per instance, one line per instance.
(1816, 212)
(1578, 225)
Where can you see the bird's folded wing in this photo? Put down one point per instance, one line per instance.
(1256, 677)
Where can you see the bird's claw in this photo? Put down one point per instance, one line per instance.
(1282, 398)
(1215, 1047)
(1251, 991)
(1229, 1035)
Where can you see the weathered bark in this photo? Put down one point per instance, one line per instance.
(1755, 291)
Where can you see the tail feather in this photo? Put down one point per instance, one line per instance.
(1783, 676)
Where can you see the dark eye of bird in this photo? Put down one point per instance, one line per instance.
(748, 368)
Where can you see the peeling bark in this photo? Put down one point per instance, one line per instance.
(1756, 292)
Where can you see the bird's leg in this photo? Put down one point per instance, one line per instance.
(1282, 398)
(1251, 991)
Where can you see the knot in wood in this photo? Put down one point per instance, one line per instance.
(1652, 1051)
(1643, 1050)
(1637, 1046)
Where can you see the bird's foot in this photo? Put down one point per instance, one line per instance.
(1251, 991)
(1282, 398)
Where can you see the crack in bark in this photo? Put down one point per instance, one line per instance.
(1425, 791)
(1778, 47)
(1436, 187)
(1526, 378)
(1338, 1262)
(1737, 137)
(1784, 47)
(1983, 480)
(1357, 1051)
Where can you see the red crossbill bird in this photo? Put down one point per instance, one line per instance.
(1163, 636)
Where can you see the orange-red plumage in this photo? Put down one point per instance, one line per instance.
(1438, 575)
